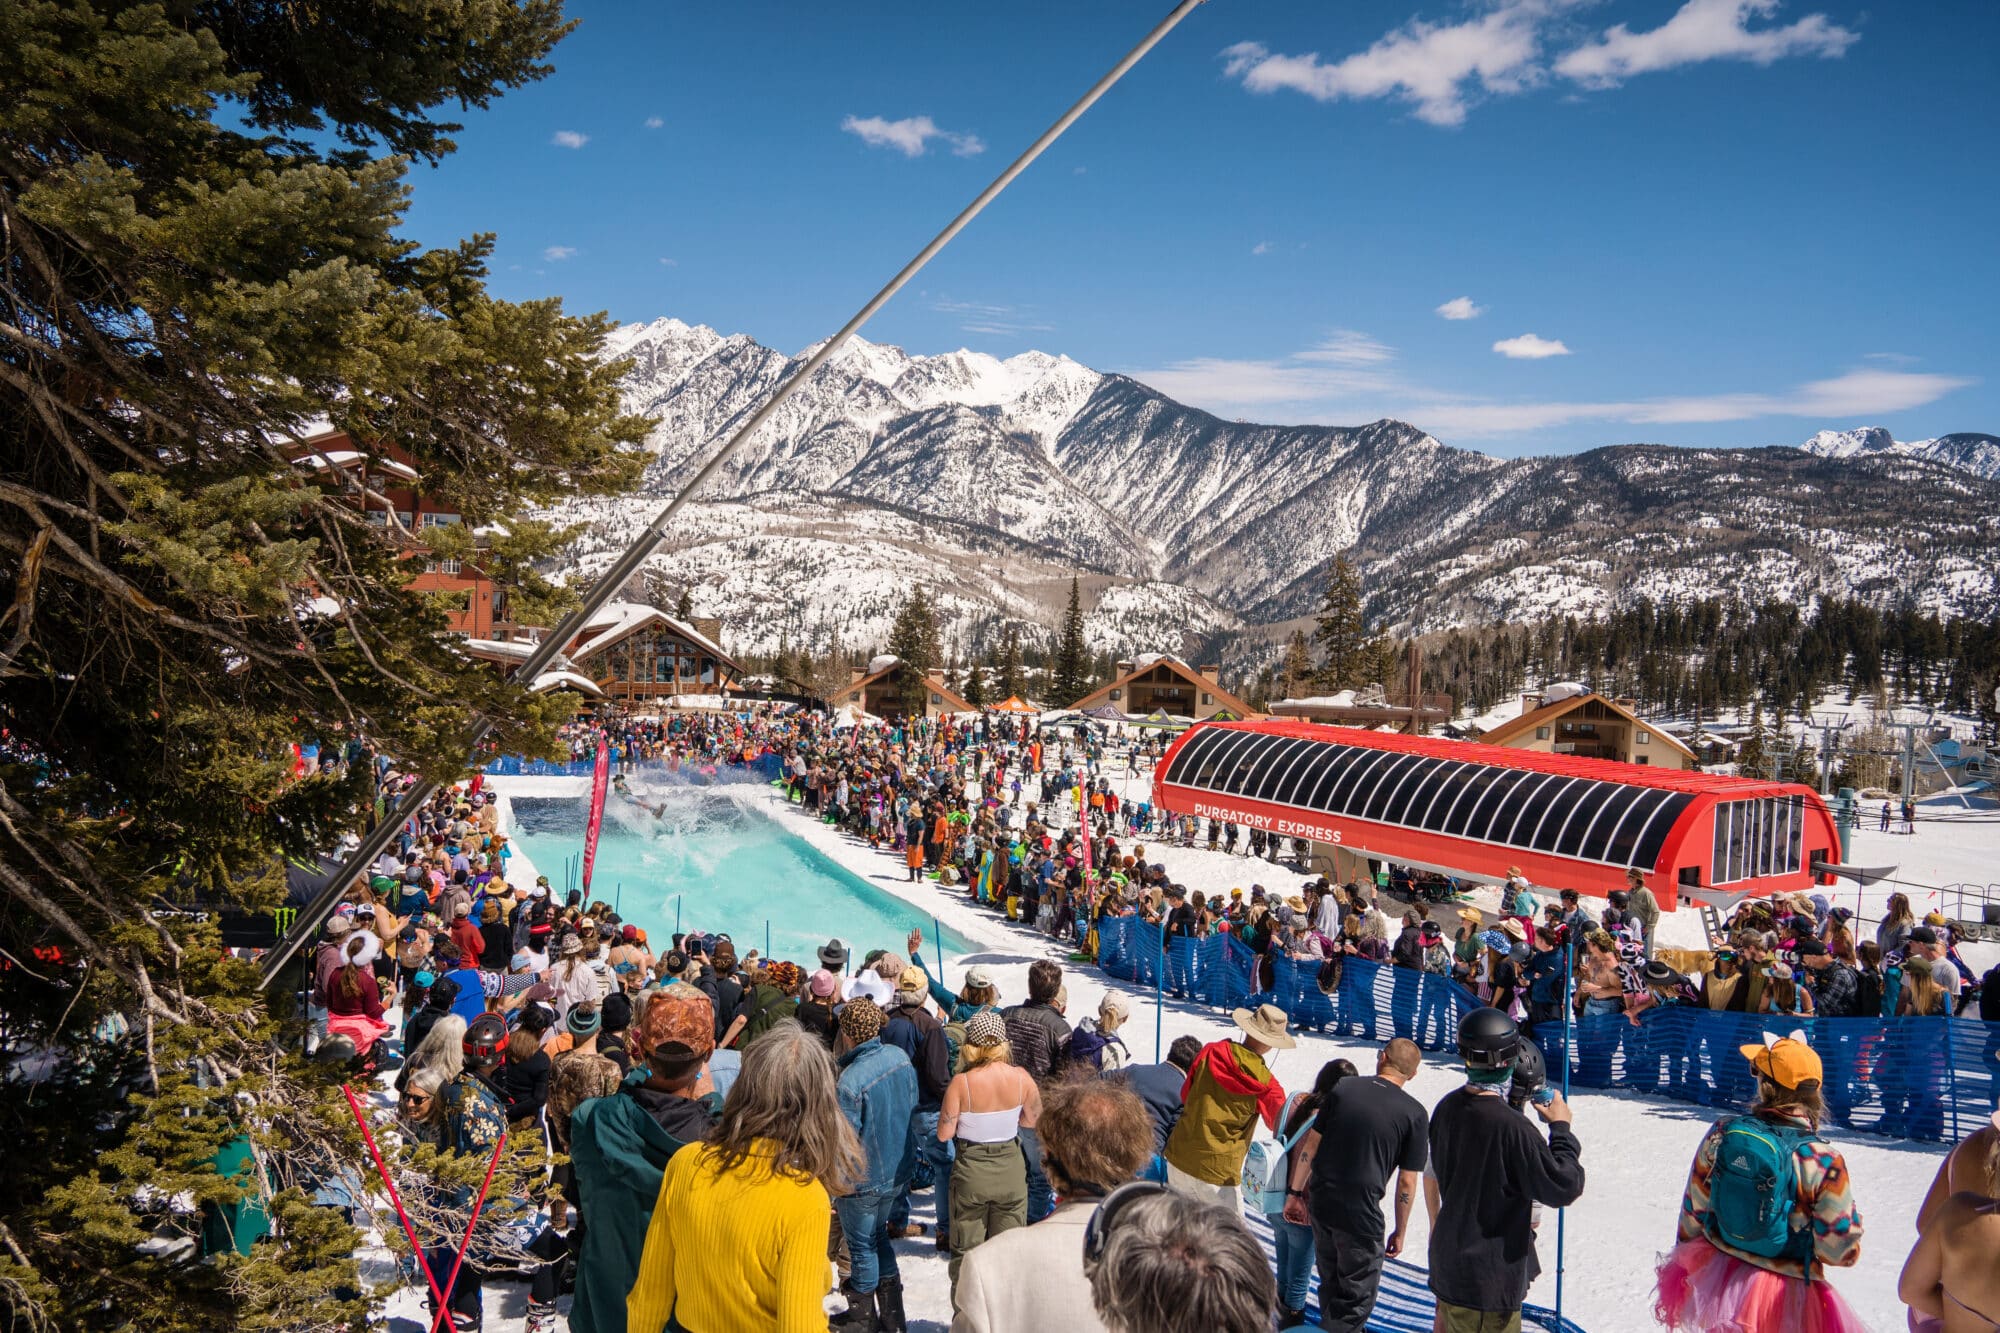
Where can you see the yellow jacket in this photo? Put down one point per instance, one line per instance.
(738, 1253)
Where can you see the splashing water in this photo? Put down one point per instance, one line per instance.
(700, 855)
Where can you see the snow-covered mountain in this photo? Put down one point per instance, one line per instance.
(991, 482)
(1966, 450)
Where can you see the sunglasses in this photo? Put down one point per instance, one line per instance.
(1098, 1229)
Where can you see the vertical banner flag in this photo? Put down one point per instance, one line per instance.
(1083, 823)
(600, 779)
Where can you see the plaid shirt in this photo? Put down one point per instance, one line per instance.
(1836, 990)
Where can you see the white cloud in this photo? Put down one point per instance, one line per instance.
(1348, 347)
(569, 139)
(1078, 171)
(559, 252)
(1431, 65)
(1856, 395)
(1261, 248)
(1460, 307)
(998, 320)
(1703, 30)
(654, 122)
(1442, 69)
(1530, 347)
(910, 136)
(1339, 369)
(670, 263)
(1891, 358)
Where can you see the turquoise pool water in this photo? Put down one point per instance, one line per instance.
(716, 866)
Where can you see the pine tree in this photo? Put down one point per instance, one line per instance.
(684, 606)
(974, 692)
(205, 249)
(1298, 671)
(1070, 672)
(783, 669)
(1349, 659)
(1753, 755)
(1012, 682)
(914, 640)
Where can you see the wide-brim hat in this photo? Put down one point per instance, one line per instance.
(1513, 929)
(1267, 1024)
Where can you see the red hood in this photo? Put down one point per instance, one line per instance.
(1219, 1058)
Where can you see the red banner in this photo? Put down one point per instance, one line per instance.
(600, 781)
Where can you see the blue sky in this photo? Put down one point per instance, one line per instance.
(1690, 221)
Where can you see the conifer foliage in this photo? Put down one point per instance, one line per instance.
(1071, 674)
(199, 208)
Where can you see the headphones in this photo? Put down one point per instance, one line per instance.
(1098, 1229)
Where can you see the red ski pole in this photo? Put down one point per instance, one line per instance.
(466, 1243)
(388, 1183)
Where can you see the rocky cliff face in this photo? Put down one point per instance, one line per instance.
(991, 482)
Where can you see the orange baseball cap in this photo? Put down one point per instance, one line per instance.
(1787, 1062)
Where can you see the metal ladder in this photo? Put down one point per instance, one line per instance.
(1711, 924)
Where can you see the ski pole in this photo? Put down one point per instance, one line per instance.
(389, 1183)
(465, 1244)
(1562, 1214)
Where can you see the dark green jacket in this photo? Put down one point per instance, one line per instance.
(619, 1149)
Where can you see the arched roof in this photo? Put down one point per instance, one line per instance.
(1478, 808)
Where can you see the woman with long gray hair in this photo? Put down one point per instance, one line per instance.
(738, 1238)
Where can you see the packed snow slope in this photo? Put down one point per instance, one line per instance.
(992, 481)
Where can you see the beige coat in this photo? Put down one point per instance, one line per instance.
(1029, 1280)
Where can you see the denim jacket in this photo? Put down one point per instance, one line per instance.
(878, 1093)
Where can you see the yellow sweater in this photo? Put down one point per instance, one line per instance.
(738, 1253)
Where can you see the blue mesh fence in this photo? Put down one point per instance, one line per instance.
(1927, 1079)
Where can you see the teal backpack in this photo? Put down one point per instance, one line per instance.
(1753, 1187)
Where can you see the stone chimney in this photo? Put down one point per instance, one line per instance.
(1212, 674)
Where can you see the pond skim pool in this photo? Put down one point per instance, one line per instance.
(725, 868)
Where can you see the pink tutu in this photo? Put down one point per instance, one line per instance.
(362, 1030)
(1703, 1290)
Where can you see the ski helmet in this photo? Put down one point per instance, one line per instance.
(485, 1038)
(1488, 1039)
(1619, 899)
(1530, 1070)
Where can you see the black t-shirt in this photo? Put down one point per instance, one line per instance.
(1368, 1129)
(1493, 1166)
(1180, 921)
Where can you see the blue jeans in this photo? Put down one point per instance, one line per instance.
(933, 1160)
(1041, 1198)
(864, 1222)
(1295, 1261)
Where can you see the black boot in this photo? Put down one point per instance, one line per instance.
(889, 1297)
(860, 1314)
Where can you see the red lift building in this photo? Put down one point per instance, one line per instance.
(1468, 809)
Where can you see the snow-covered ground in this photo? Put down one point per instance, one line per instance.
(1635, 1148)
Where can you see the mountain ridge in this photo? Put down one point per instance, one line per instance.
(991, 481)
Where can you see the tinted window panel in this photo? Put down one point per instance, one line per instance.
(1596, 845)
(1624, 846)
(1401, 807)
(1339, 760)
(1433, 794)
(1654, 837)
(1588, 801)
(1480, 824)
(1275, 765)
(1385, 782)
(1560, 802)
(1520, 800)
(1353, 785)
(1477, 784)
(1303, 769)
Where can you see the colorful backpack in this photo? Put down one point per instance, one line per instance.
(1753, 1187)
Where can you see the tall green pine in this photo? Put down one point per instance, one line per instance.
(1070, 676)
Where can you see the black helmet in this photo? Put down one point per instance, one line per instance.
(1488, 1039)
(1530, 1070)
(1620, 899)
(485, 1038)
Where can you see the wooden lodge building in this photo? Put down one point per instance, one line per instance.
(1590, 726)
(629, 653)
(878, 688)
(1160, 683)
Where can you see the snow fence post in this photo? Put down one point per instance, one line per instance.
(937, 933)
(1159, 1000)
(1562, 1214)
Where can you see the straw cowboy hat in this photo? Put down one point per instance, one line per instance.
(1267, 1024)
